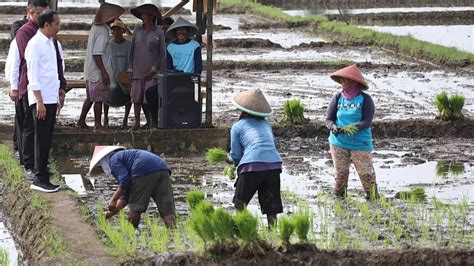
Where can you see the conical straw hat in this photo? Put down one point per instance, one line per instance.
(100, 152)
(351, 72)
(179, 23)
(252, 102)
(119, 23)
(107, 13)
(148, 9)
(123, 79)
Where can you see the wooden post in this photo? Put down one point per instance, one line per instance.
(175, 8)
(210, 5)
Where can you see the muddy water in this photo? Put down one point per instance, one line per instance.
(458, 36)
(8, 245)
(308, 12)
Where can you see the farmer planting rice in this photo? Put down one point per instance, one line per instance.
(349, 116)
(141, 175)
(253, 151)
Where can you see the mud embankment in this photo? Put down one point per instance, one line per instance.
(334, 4)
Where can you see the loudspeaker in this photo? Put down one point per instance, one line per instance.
(180, 103)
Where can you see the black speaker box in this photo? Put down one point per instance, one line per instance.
(180, 103)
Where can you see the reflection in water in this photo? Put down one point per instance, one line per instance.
(444, 168)
(309, 12)
(8, 251)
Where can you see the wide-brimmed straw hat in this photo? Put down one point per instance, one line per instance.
(100, 152)
(180, 23)
(119, 23)
(351, 72)
(124, 81)
(252, 102)
(147, 9)
(107, 13)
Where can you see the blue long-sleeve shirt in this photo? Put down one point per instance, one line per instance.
(129, 164)
(252, 141)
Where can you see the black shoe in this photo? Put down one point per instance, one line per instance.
(44, 186)
(29, 174)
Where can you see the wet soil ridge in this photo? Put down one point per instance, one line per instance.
(416, 128)
(339, 257)
(334, 4)
(409, 18)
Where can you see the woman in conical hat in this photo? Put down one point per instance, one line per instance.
(349, 117)
(147, 59)
(184, 53)
(253, 151)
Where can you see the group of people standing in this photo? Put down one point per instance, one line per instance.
(116, 67)
(35, 70)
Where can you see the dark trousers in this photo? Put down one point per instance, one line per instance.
(151, 95)
(43, 139)
(25, 132)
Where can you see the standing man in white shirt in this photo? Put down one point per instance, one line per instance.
(43, 94)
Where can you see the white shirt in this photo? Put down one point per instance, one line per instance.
(12, 66)
(98, 44)
(42, 69)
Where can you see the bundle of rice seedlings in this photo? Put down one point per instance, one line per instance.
(293, 111)
(247, 226)
(302, 222)
(202, 226)
(193, 198)
(456, 102)
(223, 225)
(205, 207)
(442, 104)
(287, 227)
(229, 171)
(416, 194)
(350, 129)
(216, 155)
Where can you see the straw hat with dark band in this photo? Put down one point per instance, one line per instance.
(107, 13)
(252, 102)
(147, 9)
(351, 72)
(119, 23)
(100, 152)
(181, 23)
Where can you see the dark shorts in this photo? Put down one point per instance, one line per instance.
(156, 186)
(267, 183)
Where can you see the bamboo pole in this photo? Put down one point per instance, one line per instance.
(175, 8)
(210, 6)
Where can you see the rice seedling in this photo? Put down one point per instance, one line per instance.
(416, 194)
(456, 103)
(350, 129)
(286, 227)
(223, 225)
(302, 222)
(201, 224)
(247, 226)
(442, 104)
(193, 198)
(159, 235)
(216, 155)
(115, 238)
(293, 112)
(229, 171)
(4, 257)
(205, 207)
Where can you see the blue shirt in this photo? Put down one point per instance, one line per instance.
(129, 164)
(349, 112)
(185, 57)
(252, 140)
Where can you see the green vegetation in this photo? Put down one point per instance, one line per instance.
(4, 258)
(27, 202)
(350, 129)
(293, 112)
(223, 225)
(449, 108)
(355, 35)
(193, 198)
(229, 171)
(287, 227)
(302, 222)
(416, 194)
(444, 168)
(216, 155)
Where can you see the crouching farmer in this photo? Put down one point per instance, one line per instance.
(141, 175)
